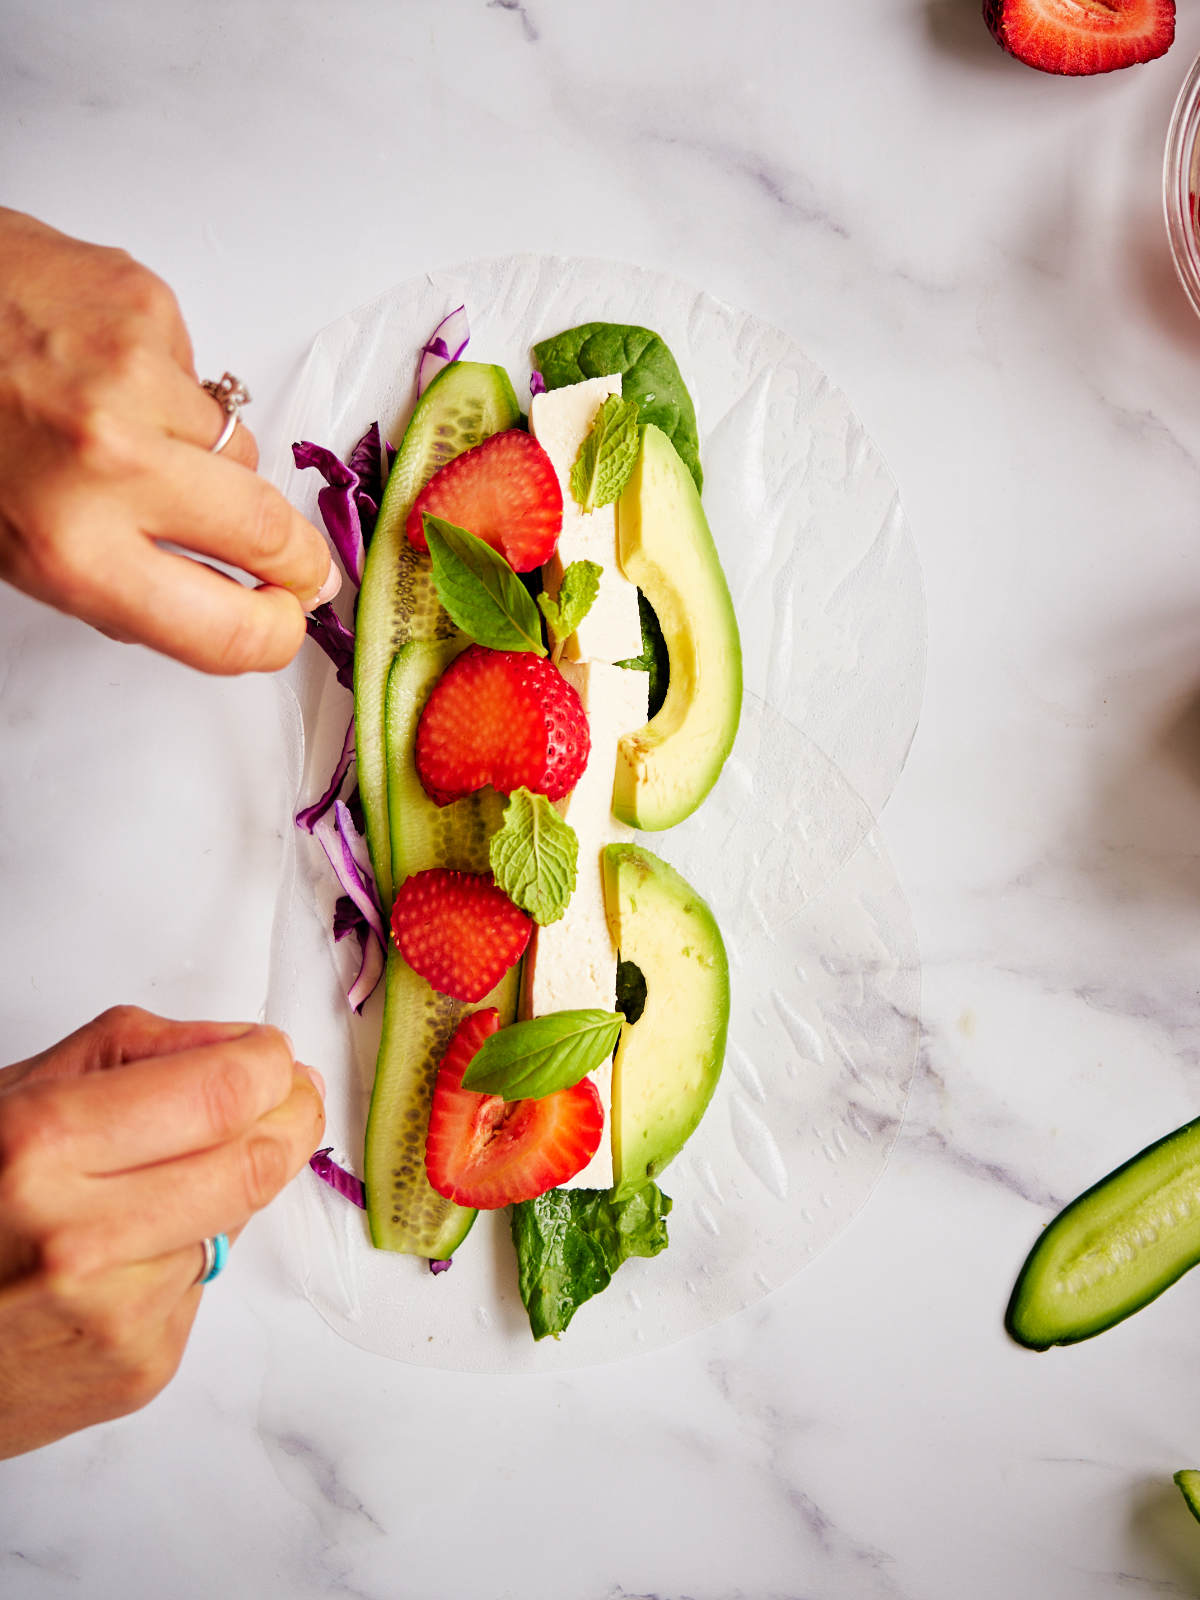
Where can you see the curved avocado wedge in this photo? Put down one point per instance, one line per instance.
(1188, 1481)
(668, 1062)
(1114, 1249)
(665, 769)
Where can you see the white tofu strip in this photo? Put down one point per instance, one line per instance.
(560, 421)
(571, 964)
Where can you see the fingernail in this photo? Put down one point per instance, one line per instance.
(317, 1080)
(330, 587)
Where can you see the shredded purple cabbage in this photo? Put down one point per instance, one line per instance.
(311, 815)
(537, 384)
(347, 852)
(441, 1266)
(347, 918)
(349, 502)
(445, 344)
(338, 1178)
(370, 970)
(328, 630)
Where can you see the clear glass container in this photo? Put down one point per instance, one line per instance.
(1181, 185)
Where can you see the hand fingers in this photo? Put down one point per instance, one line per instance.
(121, 1034)
(148, 1213)
(189, 612)
(154, 1108)
(212, 506)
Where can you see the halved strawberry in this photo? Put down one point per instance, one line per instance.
(487, 1152)
(503, 717)
(505, 491)
(1078, 37)
(458, 931)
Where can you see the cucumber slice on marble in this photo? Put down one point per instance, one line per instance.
(1114, 1249)
(1188, 1480)
(404, 1212)
(465, 404)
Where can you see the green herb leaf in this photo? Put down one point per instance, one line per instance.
(576, 595)
(569, 1243)
(533, 1059)
(533, 855)
(608, 454)
(648, 371)
(480, 591)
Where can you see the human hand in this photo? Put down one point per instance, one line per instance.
(121, 1150)
(105, 441)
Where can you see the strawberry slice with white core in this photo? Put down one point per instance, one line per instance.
(505, 491)
(487, 1152)
(504, 717)
(1081, 37)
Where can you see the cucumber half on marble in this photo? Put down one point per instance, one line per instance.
(1114, 1249)
(404, 1212)
(466, 403)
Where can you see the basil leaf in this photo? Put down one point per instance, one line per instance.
(576, 595)
(531, 1059)
(648, 371)
(569, 1242)
(607, 456)
(534, 855)
(480, 591)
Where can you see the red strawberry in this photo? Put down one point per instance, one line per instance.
(458, 931)
(487, 1152)
(505, 491)
(504, 717)
(1077, 37)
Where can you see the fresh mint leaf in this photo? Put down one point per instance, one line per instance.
(655, 657)
(533, 855)
(576, 595)
(480, 591)
(569, 1242)
(608, 454)
(532, 1059)
(648, 371)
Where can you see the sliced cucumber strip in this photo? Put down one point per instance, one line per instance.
(422, 834)
(1188, 1480)
(404, 1212)
(1114, 1249)
(463, 405)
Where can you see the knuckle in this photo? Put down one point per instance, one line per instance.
(269, 526)
(100, 435)
(118, 1021)
(68, 1255)
(31, 1124)
(242, 645)
(227, 1095)
(264, 1170)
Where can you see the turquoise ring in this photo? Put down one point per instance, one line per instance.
(216, 1254)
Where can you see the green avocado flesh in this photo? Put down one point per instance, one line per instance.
(404, 1212)
(464, 405)
(667, 1062)
(665, 769)
(1114, 1249)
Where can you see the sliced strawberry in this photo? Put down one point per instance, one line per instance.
(458, 931)
(487, 1152)
(505, 491)
(1078, 37)
(503, 717)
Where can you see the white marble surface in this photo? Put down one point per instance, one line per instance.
(975, 253)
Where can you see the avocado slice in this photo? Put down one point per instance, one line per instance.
(667, 1062)
(665, 769)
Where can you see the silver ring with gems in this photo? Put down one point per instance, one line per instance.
(231, 394)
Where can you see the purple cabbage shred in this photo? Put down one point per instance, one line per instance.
(445, 345)
(349, 502)
(441, 1266)
(337, 1177)
(311, 815)
(537, 384)
(327, 629)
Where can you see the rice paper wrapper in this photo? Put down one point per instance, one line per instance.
(823, 960)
